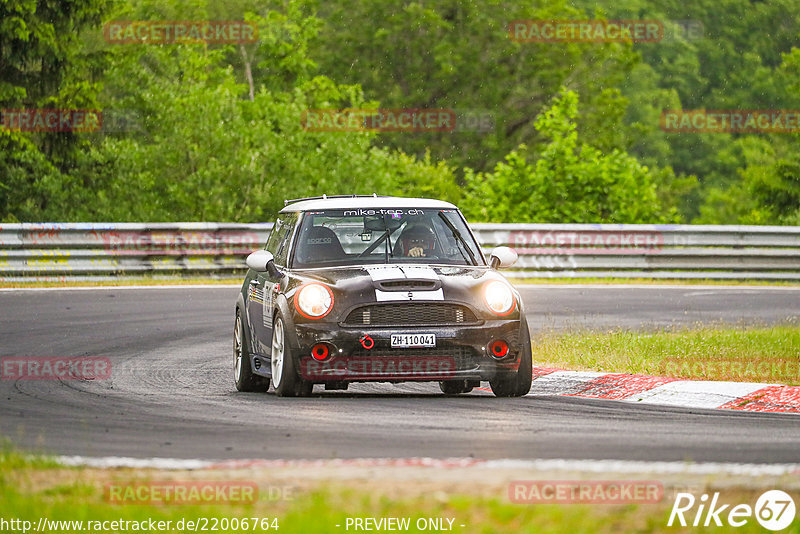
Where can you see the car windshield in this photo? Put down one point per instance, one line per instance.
(398, 235)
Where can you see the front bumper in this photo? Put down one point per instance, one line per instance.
(365, 354)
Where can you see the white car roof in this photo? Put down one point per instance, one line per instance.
(376, 202)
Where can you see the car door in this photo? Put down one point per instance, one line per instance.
(260, 303)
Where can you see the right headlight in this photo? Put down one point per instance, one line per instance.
(499, 297)
(313, 301)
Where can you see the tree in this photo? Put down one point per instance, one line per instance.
(458, 55)
(43, 65)
(207, 147)
(569, 181)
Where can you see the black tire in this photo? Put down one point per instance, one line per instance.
(525, 373)
(455, 387)
(519, 383)
(243, 375)
(285, 379)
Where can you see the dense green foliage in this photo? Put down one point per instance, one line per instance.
(43, 64)
(569, 182)
(197, 131)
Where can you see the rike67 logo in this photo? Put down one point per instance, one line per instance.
(774, 510)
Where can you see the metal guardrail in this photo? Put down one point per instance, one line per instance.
(55, 251)
(47, 251)
(650, 251)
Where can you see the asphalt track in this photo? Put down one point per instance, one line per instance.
(171, 393)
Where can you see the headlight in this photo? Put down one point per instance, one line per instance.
(313, 301)
(499, 297)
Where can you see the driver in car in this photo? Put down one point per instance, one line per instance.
(417, 241)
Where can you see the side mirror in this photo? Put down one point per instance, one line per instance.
(258, 260)
(262, 261)
(503, 257)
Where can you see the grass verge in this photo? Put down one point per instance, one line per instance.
(34, 489)
(742, 354)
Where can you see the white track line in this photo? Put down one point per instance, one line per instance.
(563, 382)
(701, 394)
(593, 466)
(696, 393)
(136, 463)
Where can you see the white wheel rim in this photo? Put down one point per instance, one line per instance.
(276, 359)
(237, 349)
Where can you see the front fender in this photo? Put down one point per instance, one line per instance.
(284, 307)
(240, 308)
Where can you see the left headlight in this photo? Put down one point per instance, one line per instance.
(314, 301)
(499, 297)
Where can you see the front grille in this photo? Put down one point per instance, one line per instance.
(416, 313)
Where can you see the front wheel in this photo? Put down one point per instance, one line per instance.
(243, 375)
(284, 376)
(519, 383)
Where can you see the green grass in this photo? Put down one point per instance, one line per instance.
(745, 354)
(10, 461)
(31, 488)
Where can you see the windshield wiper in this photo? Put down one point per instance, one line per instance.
(459, 239)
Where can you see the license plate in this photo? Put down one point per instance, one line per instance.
(401, 341)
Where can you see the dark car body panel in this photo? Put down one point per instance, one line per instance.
(452, 297)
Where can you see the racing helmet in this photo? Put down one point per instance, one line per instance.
(417, 236)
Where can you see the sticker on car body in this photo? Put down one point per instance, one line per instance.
(385, 296)
(396, 272)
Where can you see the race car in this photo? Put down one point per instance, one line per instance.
(378, 289)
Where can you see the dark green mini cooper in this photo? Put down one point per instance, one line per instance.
(378, 289)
